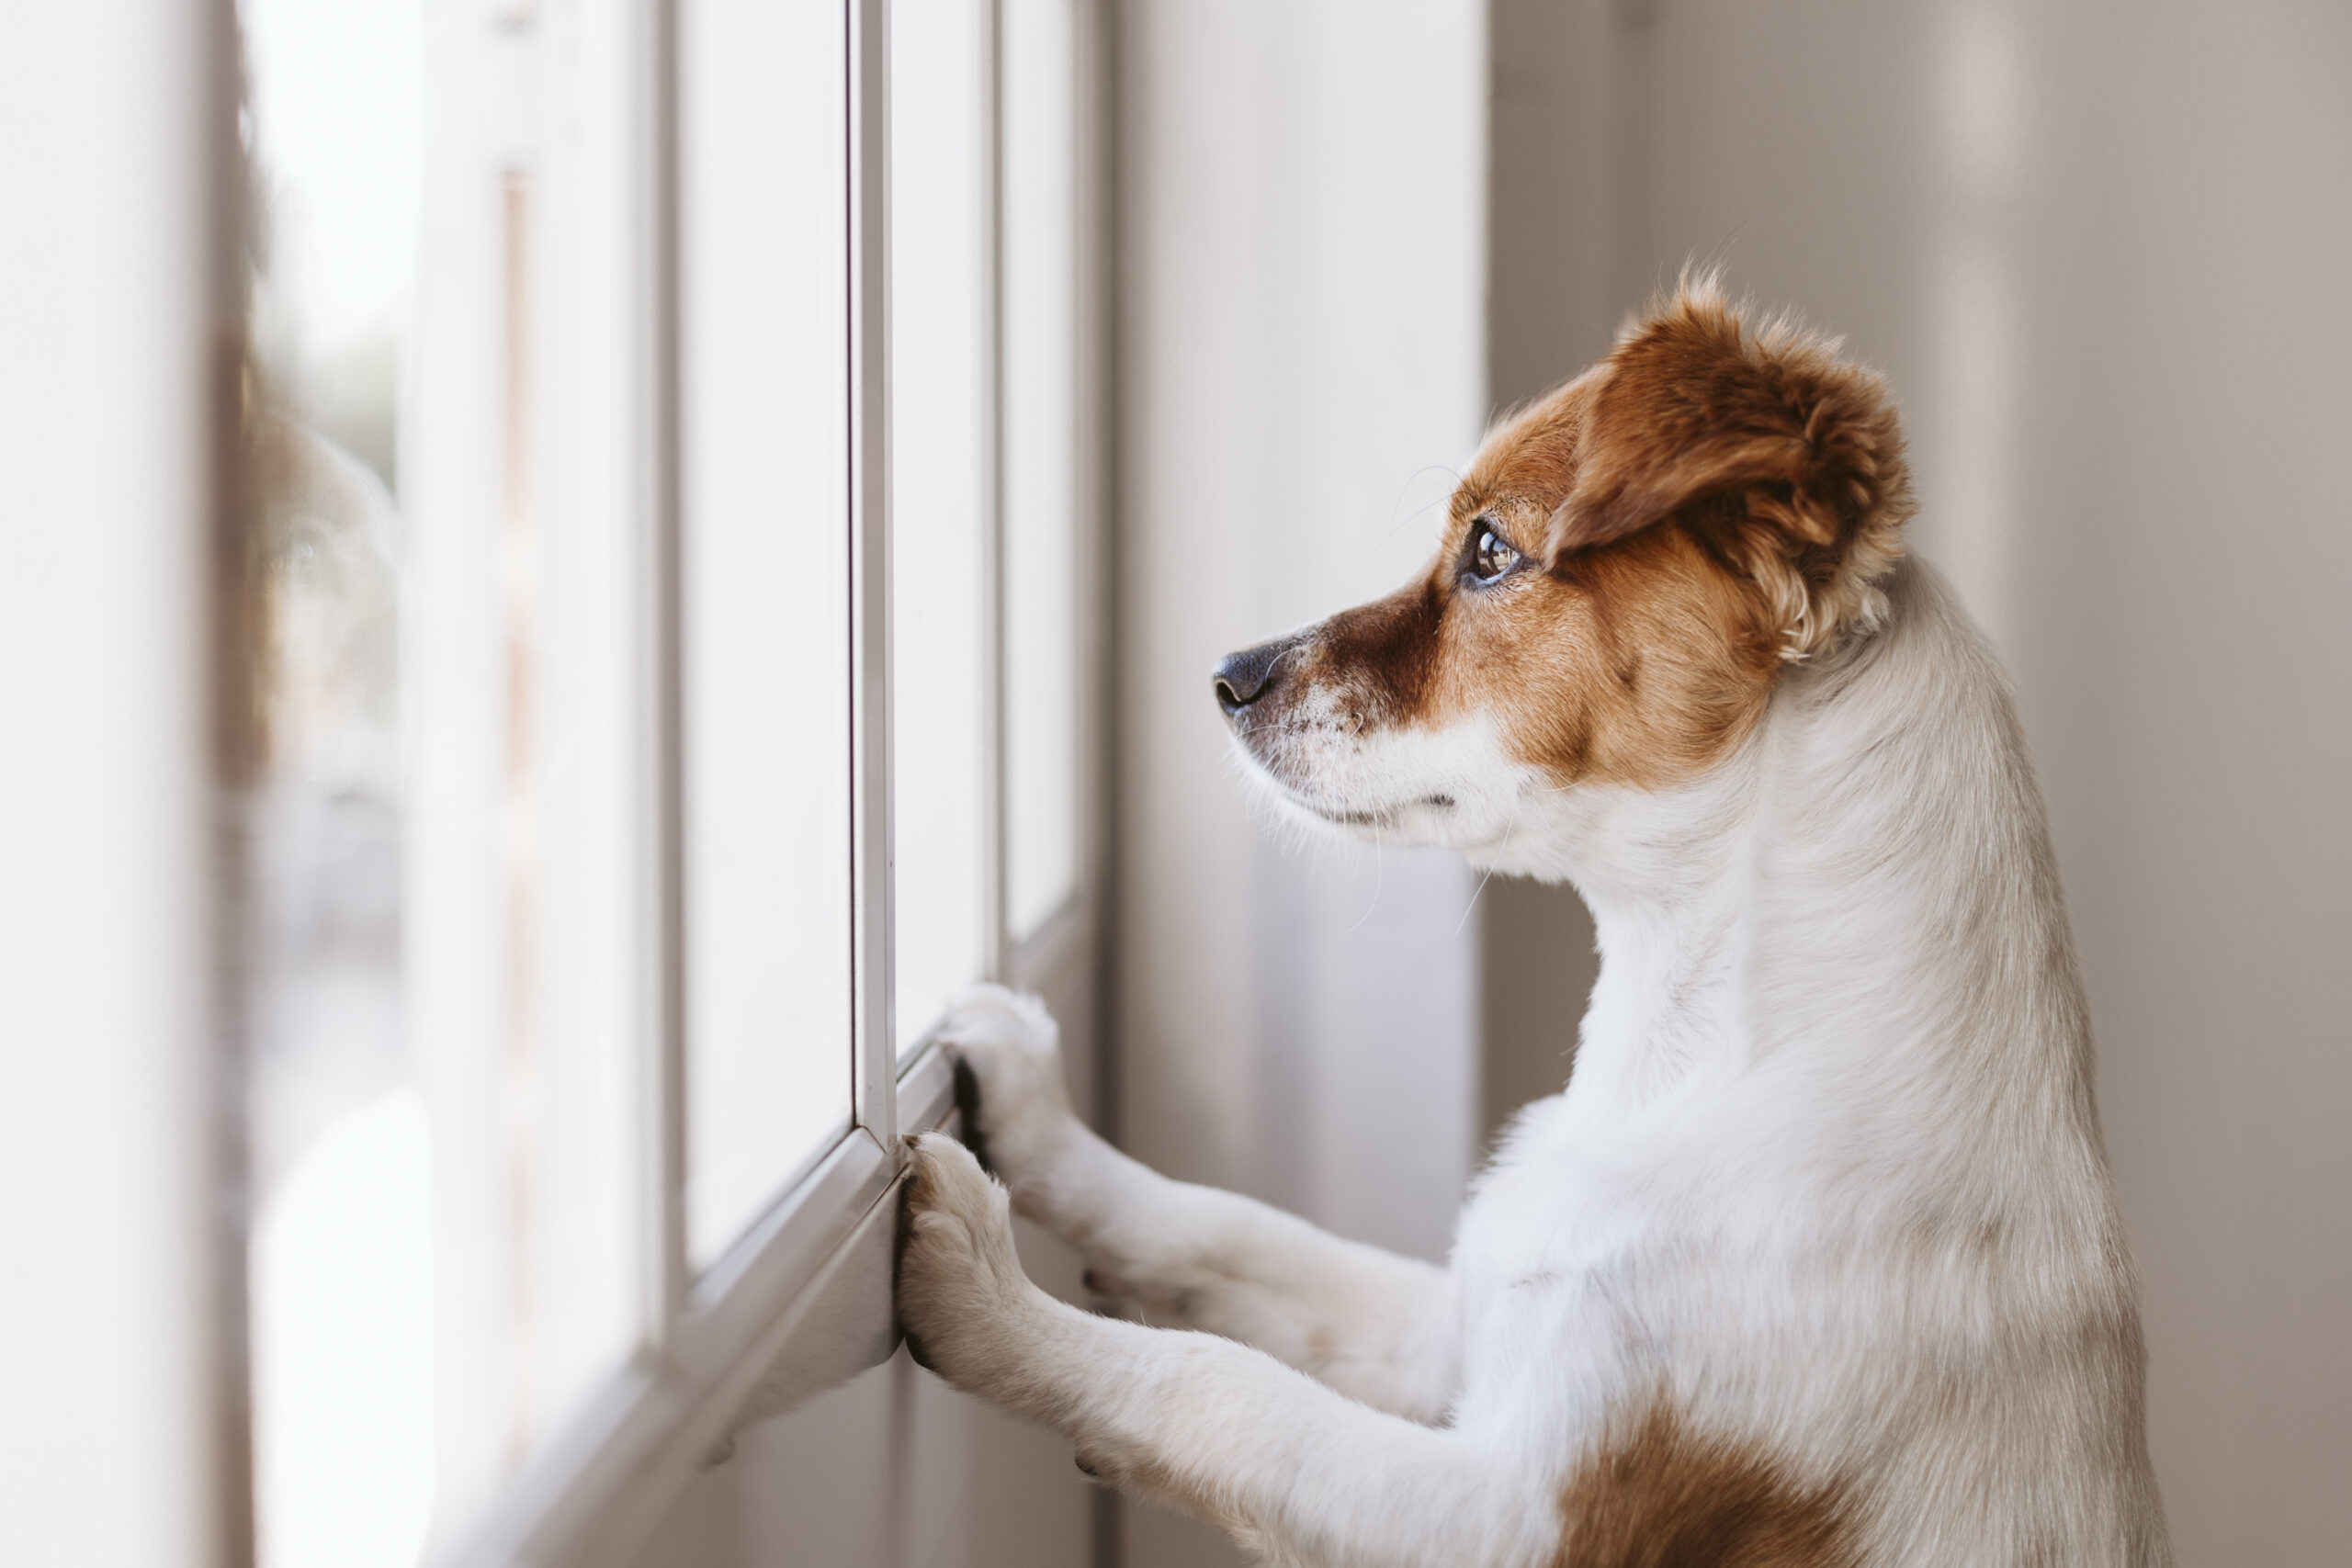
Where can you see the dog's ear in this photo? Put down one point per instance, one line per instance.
(1787, 457)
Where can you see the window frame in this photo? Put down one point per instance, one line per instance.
(812, 1278)
(801, 1302)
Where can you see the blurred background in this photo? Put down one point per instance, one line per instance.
(1199, 307)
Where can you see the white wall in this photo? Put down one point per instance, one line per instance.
(2099, 249)
(120, 1428)
(1303, 257)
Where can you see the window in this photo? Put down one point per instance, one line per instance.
(941, 498)
(1044, 477)
(764, 412)
(663, 429)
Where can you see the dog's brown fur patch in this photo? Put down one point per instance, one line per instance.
(1639, 664)
(1660, 1496)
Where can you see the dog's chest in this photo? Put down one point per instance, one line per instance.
(1556, 1239)
(1604, 1239)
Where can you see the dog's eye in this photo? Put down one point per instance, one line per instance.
(1489, 556)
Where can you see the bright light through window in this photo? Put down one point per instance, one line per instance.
(549, 873)
(340, 1140)
(343, 1303)
(441, 876)
(940, 504)
(1041, 654)
(765, 615)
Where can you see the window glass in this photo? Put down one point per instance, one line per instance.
(765, 631)
(939, 501)
(452, 857)
(1041, 657)
(440, 845)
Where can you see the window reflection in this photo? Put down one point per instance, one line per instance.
(340, 1143)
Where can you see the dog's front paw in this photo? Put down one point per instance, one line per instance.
(1009, 1079)
(968, 1312)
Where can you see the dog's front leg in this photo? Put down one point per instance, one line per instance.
(1295, 1471)
(1378, 1327)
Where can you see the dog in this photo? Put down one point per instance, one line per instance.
(1815, 1261)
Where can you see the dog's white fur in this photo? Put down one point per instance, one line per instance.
(1827, 1176)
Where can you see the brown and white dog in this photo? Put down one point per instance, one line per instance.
(1815, 1260)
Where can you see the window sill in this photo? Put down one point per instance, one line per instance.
(801, 1305)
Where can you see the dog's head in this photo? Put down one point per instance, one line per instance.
(1628, 566)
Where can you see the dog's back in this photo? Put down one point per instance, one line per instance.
(1819, 1263)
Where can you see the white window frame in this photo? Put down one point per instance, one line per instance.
(802, 1301)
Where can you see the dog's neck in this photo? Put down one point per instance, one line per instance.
(1867, 877)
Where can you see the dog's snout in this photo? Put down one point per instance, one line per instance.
(1242, 677)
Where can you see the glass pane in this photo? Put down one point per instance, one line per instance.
(1041, 658)
(762, 283)
(442, 822)
(939, 504)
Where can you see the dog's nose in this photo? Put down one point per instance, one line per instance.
(1242, 677)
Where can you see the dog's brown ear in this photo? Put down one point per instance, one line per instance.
(1789, 456)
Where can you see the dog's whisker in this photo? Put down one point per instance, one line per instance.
(1406, 487)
